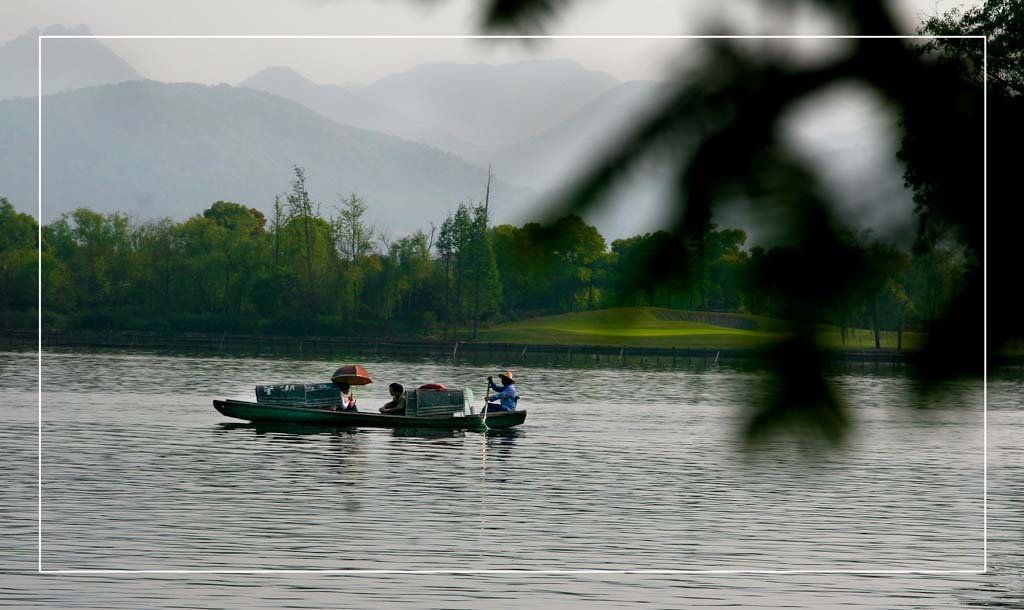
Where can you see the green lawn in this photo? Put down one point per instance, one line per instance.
(657, 327)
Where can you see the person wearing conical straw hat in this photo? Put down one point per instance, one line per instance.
(506, 394)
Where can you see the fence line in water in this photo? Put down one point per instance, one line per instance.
(397, 347)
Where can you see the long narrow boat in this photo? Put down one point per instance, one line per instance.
(263, 412)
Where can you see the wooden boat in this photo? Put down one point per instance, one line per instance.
(257, 412)
(316, 404)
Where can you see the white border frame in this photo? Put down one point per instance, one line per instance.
(522, 572)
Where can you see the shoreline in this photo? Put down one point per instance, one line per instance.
(397, 346)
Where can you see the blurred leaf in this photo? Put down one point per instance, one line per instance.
(524, 16)
(796, 399)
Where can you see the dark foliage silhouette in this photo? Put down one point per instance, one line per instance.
(723, 120)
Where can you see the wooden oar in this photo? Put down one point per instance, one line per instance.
(486, 404)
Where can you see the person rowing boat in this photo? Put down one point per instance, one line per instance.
(506, 394)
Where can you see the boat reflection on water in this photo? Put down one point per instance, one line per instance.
(500, 443)
(506, 434)
(502, 436)
(262, 428)
(427, 433)
(495, 437)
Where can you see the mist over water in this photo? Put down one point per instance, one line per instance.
(637, 468)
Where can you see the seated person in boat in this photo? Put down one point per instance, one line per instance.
(348, 401)
(506, 394)
(397, 404)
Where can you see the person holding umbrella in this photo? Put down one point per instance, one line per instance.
(506, 394)
(348, 401)
(346, 377)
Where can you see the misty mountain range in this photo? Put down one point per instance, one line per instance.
(160, 149)
(472, 110)
(413, 144)
(68, 64)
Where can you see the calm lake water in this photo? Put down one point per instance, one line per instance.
(639, 468)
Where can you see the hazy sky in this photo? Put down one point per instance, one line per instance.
(860, 122)
(336, 61)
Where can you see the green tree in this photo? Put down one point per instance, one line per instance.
(727, 276)
(1001, 22)
(519, 260)
(18, 258)
(483, 268)
(885, 267)
(303, 215)
(353, 238)
(320, 283)
(576, 247)
(203, 265)
(670, 270)
(158, 254)
(245, 250)
(944, 167)
(96, 250)
(235, 216)
(277, 221)
(447, 248)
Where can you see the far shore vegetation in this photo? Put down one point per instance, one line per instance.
(659, 327)
(301, 272)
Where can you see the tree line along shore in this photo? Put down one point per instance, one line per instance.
(299, 272)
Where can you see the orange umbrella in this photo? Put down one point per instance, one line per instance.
(352, 374)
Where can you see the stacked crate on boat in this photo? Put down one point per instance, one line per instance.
(308, 395)
(435, 403)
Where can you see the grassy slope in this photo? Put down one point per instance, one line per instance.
(647, 326)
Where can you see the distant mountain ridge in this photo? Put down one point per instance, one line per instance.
(348, 107)
(67, 63)
(156, 149)
(471, 110)
(491, 106)
(551, 157)
(536, 122)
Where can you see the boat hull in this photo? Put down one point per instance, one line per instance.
(255, 412)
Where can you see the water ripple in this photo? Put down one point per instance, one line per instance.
(612, 470)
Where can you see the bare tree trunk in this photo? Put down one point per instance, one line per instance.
(458, 300)
(447, 296)
(700, 279)
(874, 322)
(899, 327)
(477, 255)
